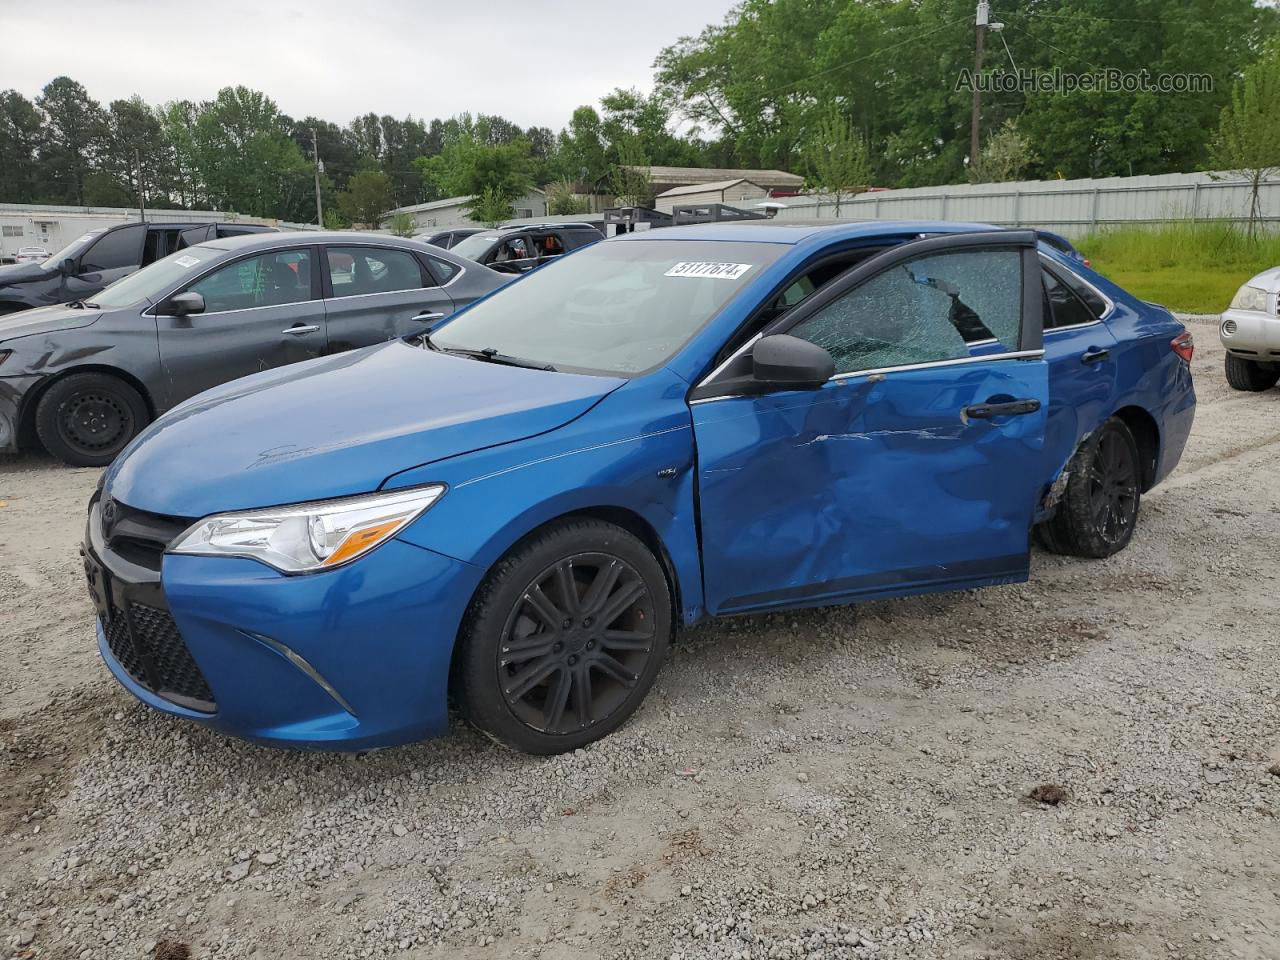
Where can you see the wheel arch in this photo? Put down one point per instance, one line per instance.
(1146, 433)
(27, 416)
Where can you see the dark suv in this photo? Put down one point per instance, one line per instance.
(520, 249)
(100, 257)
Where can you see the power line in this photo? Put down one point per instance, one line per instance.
(1084, 16)
(1074, 56)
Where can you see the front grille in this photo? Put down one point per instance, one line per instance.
(146, 642)
(138, 536)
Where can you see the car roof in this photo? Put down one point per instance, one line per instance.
(251, 241)
(793, 232)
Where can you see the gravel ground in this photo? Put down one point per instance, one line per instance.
(848, 782)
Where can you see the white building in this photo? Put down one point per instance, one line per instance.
(722, 191)
(451, 212)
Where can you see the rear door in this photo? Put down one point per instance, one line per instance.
(916, 467)
(261, 311)
(374, 293)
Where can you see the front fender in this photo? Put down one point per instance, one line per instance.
(632, 452)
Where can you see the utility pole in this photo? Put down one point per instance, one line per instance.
(137, 173)
(975, 120)
(319, 169)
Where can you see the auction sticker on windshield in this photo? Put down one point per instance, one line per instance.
(186, 261)
(716, 271)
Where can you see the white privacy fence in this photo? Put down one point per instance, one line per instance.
(1070, 207)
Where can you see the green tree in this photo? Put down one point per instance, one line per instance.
(490, 207)
(837, 157)
(1247, 144)
(1006, 156)
(367, 198)
(20, 144)
(133, 161)
(178, 123)
(74, 128)
(402, 224)
(563, 199)
(580, 152)
(629, 177)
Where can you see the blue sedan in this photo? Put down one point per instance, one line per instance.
(517, 510)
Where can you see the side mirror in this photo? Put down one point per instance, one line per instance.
(182, 304)
(787, 362)
(68, 267)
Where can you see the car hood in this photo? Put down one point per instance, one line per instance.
(21, 272)
(338, 426)
(1268, 280)
(45, 320)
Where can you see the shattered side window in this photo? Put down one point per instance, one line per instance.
(943, 307)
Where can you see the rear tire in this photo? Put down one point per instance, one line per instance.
(1250, 375)
(564, 638)
(1098, 511)
(86, 419)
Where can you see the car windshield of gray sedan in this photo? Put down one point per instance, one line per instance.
(614, 308)
(153, 282)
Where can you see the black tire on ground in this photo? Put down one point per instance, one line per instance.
(87, 418)
(1250, 375)
(564, 638)
(1098, 511)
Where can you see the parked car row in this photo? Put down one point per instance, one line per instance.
(517, 505)
(82, 379)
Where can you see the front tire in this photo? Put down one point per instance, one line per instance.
(1098, 511)
(1250, 375)
(564, 638)
(86, 419)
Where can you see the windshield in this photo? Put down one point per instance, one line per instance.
(154, 281)
(475, 246)
(75, 247)
(615, 308)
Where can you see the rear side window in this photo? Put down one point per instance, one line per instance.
(357, 271)
(269, 280)
(1065, 309)
(443, 270)
(933, 308)
(115, 249)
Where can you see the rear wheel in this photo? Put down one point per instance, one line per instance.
(564, 638)
(1250, 375)
(1098, 511)
(86, 419)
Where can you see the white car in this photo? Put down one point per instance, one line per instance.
(31, 255)
(1250, 331)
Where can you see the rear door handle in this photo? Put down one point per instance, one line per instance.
(1094, 356)
(301, 328)
(426, 317)
(1012, 408)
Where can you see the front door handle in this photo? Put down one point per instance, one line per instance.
(301, 328)
(1011, 408)
(1094, 356)
(426, 317)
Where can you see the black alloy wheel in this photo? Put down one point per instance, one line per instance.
(1113, 491)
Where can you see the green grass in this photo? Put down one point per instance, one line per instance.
(1191, 268)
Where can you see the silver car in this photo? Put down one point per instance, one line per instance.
(31, 255)
(1250, 331)
(82, 379)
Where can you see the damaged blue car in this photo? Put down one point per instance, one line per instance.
(517, 509)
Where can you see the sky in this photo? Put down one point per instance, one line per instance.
(533, 62)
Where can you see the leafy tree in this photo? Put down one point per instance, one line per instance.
(837, 157)
(402, 224)
(1005, 157)
(134, 158)
(490, 207)
(629, 177)
(563, 199)
(367, 198)
(74, 126)
(469, 167)
(1248, 139)
(178, 122)
(20, 143)
(580, 154)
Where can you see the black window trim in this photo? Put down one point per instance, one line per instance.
(284, 248)
(1031, 332)
(1058, 269)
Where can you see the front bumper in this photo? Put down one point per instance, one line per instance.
(13, 390)
(1251, 334)
(352, 659)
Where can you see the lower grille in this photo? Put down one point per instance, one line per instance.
(151, 650)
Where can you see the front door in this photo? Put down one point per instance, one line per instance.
(260, 312)
(916, 467)
(379, 293)
(115, 254)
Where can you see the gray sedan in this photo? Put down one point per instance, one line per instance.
(82, 379)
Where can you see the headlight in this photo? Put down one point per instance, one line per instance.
(1250, 298)
(308, 537)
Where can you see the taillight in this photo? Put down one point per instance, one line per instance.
(1184, 345)
(1087, 262)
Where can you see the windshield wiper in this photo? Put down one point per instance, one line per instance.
(491, 355)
